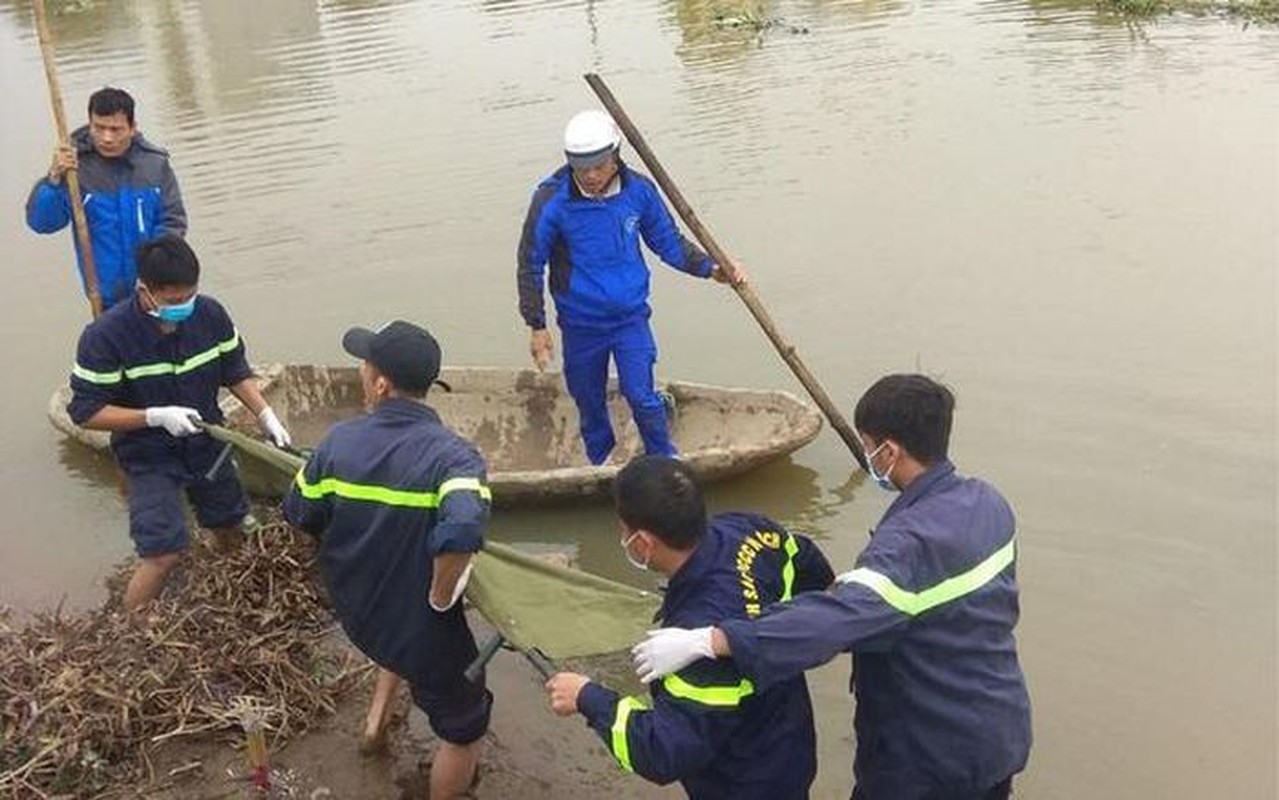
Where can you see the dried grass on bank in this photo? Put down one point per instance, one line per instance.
(85, 698)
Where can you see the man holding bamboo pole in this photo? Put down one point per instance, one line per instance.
(128, 188)
(586, 220)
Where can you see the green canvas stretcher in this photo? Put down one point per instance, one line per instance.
(535, 605)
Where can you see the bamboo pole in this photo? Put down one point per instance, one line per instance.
(744, 290)
(72, 177)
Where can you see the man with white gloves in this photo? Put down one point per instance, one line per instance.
(399, 503)
(149, 371)
(928, 612)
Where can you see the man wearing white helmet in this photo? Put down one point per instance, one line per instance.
(586, 220)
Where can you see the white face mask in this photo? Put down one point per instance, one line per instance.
(626, 550)
(881, 478)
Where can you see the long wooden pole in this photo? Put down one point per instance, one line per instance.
(744, 290)
(71, 177)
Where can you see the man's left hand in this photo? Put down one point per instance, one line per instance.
(563, 689)
(732, 273)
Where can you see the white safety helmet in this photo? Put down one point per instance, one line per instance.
(589, 138)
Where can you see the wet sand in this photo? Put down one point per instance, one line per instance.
(529, 753)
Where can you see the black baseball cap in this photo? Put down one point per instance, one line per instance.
(406, 354)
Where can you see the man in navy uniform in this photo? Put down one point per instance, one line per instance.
(399, 503)
(929, 611)
(149, 370)
(707, 726)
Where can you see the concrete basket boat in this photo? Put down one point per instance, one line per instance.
(525, 424)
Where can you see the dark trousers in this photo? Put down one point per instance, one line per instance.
(1000, 791)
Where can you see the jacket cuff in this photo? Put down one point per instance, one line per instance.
(456, 537)
(597, 703)
(744, 645)
(708, 266)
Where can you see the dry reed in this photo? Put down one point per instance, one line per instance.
(86, 698)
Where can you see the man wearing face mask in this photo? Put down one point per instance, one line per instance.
(130, 193)
(587, 220)
(399, 503)
(929, 611)
(149, 371)
(707, 726)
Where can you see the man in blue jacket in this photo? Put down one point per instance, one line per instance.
(587, 220)
(707, 725)
(399, 503)
(929, 611)
(149, 370)
(130, 193)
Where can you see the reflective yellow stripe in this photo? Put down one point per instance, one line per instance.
(723, 696)
(788, 569)
(103, 378)
(621, 749)
(464, 484)
(915, 603)
(194, 362)
(390, 497)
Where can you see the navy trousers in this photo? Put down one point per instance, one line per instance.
(634, 351)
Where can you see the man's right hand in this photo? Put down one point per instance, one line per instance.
(64, 158)
(563, 689)
(668, 650)
(179, 421)
(542, 347)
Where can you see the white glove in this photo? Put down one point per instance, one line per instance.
(177, 420)
(668, 650)
(273, 428)
(458, 588)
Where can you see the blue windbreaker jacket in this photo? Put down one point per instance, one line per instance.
(929, 613)
(598, 277)
(385, 493)
(125, 359)
(127, 201)
(707, 726)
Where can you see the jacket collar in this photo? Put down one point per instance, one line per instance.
(396, 408)
(690, 572)
(921, 486)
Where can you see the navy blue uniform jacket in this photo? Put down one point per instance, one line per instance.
(929, 613)
(386, 492)
(708, 726)
(125, 359)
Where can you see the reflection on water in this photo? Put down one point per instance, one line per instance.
(88, 467)
(782, 490)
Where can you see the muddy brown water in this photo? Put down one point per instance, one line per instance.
(1070, 219)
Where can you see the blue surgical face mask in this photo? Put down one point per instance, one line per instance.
(634, 562)
(881, 478)
(179, 312)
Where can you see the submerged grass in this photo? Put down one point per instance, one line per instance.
(86, 698)
(1250, 11)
